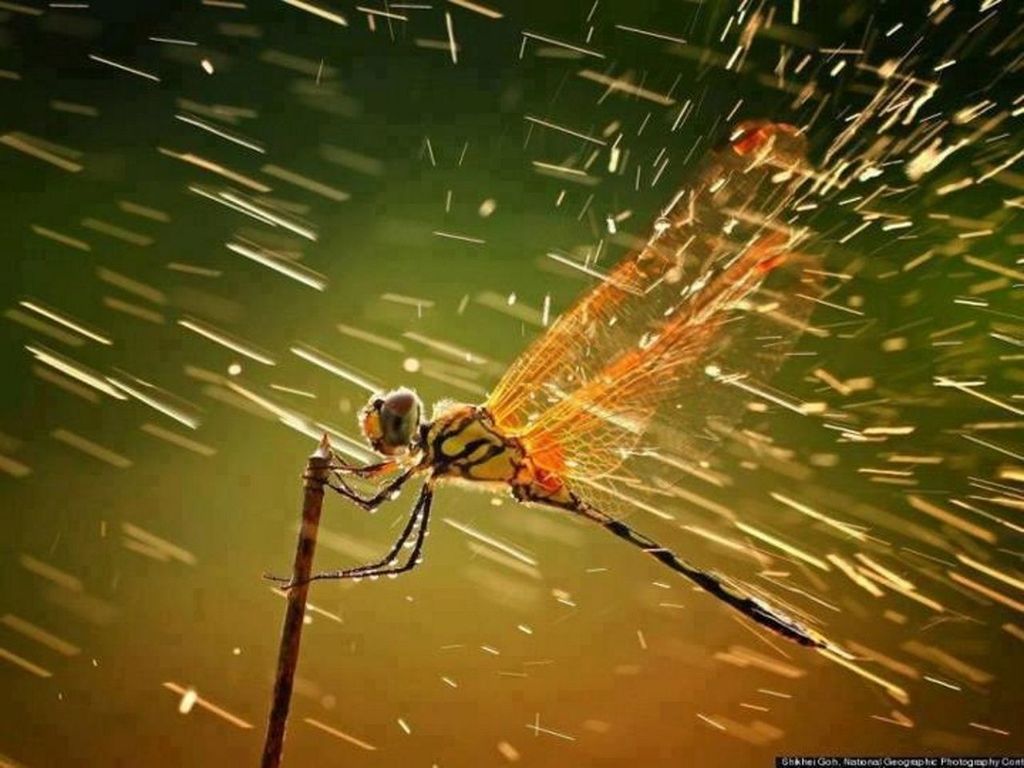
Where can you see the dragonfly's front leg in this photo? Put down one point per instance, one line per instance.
(340, 466)
(370, 503)
(418, 520)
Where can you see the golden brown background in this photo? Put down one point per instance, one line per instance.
(134, 576)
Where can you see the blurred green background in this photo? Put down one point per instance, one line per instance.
(627, 667)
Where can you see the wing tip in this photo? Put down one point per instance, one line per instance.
(751, 136)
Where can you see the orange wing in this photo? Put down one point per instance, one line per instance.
(714, 286)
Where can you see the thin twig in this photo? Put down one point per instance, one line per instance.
(291, 633)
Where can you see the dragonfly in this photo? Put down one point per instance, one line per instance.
(705, 303)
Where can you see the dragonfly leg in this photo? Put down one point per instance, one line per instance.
(418, 520)
(340, 466)
(370, 503)
(720, 587)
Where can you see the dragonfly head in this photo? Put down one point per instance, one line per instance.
(391, 421)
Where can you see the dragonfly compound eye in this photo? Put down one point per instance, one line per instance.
(390, 422)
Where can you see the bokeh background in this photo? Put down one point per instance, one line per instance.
(133, 543)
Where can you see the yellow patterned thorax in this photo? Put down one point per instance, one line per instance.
(463, 442)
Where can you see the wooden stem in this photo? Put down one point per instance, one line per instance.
(291, 632)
